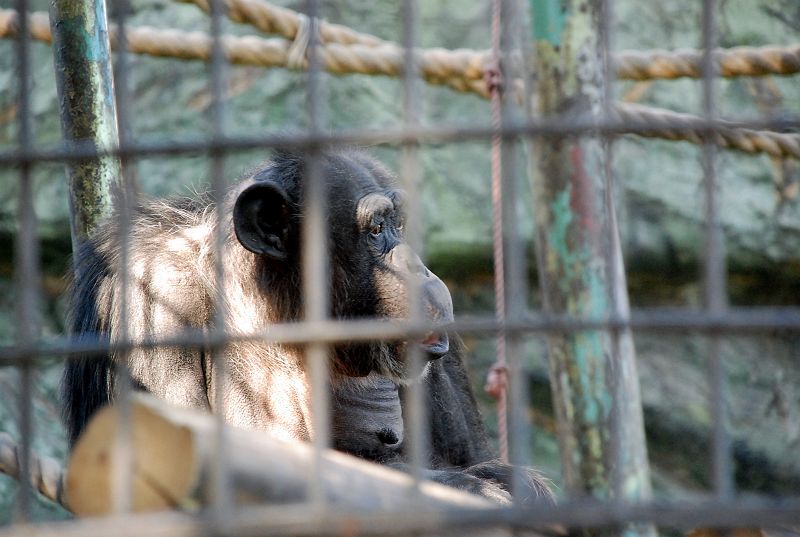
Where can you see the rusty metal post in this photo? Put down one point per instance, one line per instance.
(593, 373)
(88, 114)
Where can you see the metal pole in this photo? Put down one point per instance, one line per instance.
(86, 99)
(26, 268)
(715, 268)
(410, 174)
(572, 230)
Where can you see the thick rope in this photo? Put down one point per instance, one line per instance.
(272, 19)
(461, 69)
(631, 65)
(497, 379)
(437, 67)
(727, 135)
(732, 62)
(46, 474)
(167, 43)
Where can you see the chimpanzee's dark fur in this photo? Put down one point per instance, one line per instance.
(172, 288)
(460, 452)
(458, 436)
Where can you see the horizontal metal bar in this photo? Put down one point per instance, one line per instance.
(754, 513)
(293, 520)
(736, 321)
(392, 136)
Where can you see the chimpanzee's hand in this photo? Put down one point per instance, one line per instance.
(535, 487)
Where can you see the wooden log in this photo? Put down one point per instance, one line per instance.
(173, 457)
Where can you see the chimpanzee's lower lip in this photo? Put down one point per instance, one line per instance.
(436, 344)
(431, 338)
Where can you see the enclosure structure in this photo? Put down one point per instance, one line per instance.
(550, 96)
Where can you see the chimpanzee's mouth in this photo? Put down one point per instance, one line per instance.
(436, 344)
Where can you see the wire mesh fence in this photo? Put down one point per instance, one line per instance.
(553, 105)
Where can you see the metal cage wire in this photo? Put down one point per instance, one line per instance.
(722, 508)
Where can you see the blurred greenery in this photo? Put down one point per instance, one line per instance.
(659, 192)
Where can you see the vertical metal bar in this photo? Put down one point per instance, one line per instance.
(26, 265)
(221, 490)
(122, 469)
(570, 221)
(517, 399)
(630, 476)
(715, 272)
(315, 258)
(24, 118)
(86, 97)
(513, 287)
(120, 11)
(410, 176)
(27, 279)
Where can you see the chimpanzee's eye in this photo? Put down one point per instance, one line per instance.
(376, 229)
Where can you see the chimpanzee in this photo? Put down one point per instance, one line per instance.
(172, 288)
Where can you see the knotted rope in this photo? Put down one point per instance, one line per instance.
(296, 55)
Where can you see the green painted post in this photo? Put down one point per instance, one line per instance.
(593, 373)
(88, 115)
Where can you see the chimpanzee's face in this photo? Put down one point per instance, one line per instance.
(373, 271)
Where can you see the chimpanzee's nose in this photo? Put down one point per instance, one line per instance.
(404, 259)
(388, 436)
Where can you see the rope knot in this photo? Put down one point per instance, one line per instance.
(297, 54)
(496, 381)
(493, 76)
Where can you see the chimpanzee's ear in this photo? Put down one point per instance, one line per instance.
(261, 218)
